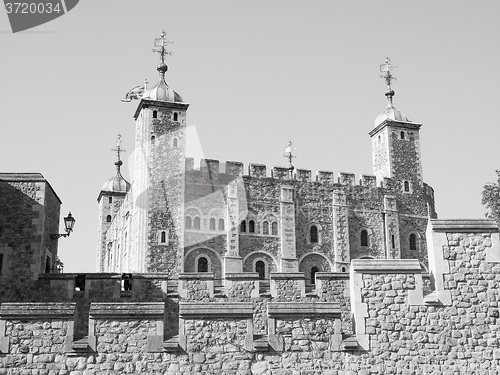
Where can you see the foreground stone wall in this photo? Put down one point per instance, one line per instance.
(378, 320)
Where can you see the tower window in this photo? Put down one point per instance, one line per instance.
(155, 114)
(314, 270)
(163, 236)
(153, 139)
(364, 237)
(221, 224)
(175, 116)
(265, 227)
(393, 240)
(197, 223)
(402, 135)
(251, 226)
(243, 226)
(260, 268)
(110, 199)
(202, 264)
(274, 228)
(188, 222)
(379, 139)
(212, 223)
(1, 263)
(313, 233)
(175, 143)
(47, 265)
(108, 219)
(413, 242)
(406, 186)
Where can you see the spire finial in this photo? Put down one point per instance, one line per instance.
(118, 151)
(161, 43)
(386, 68)
(289, 156)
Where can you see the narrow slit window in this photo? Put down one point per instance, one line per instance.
(407, 186)
(413, 242)
(175, 116)
(251, 226)
(110, 199)
(313, 233)
(197, 223)
(108, 219)
(364, 237)
(212, 223)
(243, 226)
(265, 227)
(393, 240)
(274, 228)
(163, 237)
(155, 114)
(402, 135)
(222, 225)
(1, 263)
(47, 265)
(175, 144)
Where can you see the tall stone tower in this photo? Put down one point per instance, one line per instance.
(158, 187)
(110, 199)
(396, 143)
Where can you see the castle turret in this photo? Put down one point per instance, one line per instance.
(110, 200)
(396, 142)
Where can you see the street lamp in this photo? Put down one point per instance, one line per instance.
(69, 223)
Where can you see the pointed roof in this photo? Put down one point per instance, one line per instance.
(116, 184)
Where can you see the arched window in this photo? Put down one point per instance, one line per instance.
(110, 199)
(314, 270)
(406, 186)
(212, 223)
(155, 114)
(175, 116)
(175, 142)
(243, 226)
(313, 234)
(251, 226)
(153, 139)
(343, 269)
(188, 222)
(163, 237)
(197, 223)
(274, 228)
(260, 268)
(364, 237)
(265, 227)
(221, 224)
(202, 264)
(413, 241)
(402, 135)
(108, 218)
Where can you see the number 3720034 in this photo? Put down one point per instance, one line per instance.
(28, 8)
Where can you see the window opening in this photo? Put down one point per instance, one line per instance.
(265, 227)
(126, 282)
(343, 269)
(175, 116)
(188, 222)
(108, 218)
(313, 234)
(163, 237)
(407, 186)
(155, 114)
(221, 224)
(274, 228)
(47, 265)
(364, 237)
(197, 223)
(212, 223)
(260, 268)
(243, 226)
(110, 199)
(153, 138)
(393, 242)
(202, 264)
(402, 135)
(80, 283)
(175, 142)
(251, 226)
(413, 242)
(314, 270)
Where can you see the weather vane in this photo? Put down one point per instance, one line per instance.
(386, 69)
(289, 156)
(162, 43)
(118, 148)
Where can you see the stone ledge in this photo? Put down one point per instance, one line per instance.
(386, 266)
(49, 310)
(294, 309)
(287, 276)
(196, 276)
(243, 276)
(123, 310)
(464, 225)
(332, 275)
(188, 310)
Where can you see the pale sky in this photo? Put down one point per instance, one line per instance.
(256, 74)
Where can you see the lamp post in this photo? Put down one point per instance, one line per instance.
(69, 223)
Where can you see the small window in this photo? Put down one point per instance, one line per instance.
(364, 237)
(197, 223)
(260, 268)
(251, 226)
(153, 139)
(274, 228)
(212, 223)
(47, 265)
(202, 264)
(313, 232)
(265, 227)
(402, 135)
(175, 116)
(343, 269)
(314, 270)
(379, 139)
(155, 114)
(1, 263)
(413, 242)
(221, 224)
(407, 186)
(175, 143)
(393, 240)
(126, 282)
(110, 199)
(108, 219)
(163, 236)
(243, 226)
(188, 222)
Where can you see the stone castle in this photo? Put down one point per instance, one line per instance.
(205, 271)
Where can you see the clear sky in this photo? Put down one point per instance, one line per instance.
(256, 74)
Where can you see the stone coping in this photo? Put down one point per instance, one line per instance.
(464, 225)
(70, 276)
(386, 265)
(196, 276)
(332, 275)
(189, 310)
(242, 276)
(287, 276)
(38, 310)
(125, 309)
(293, 309)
